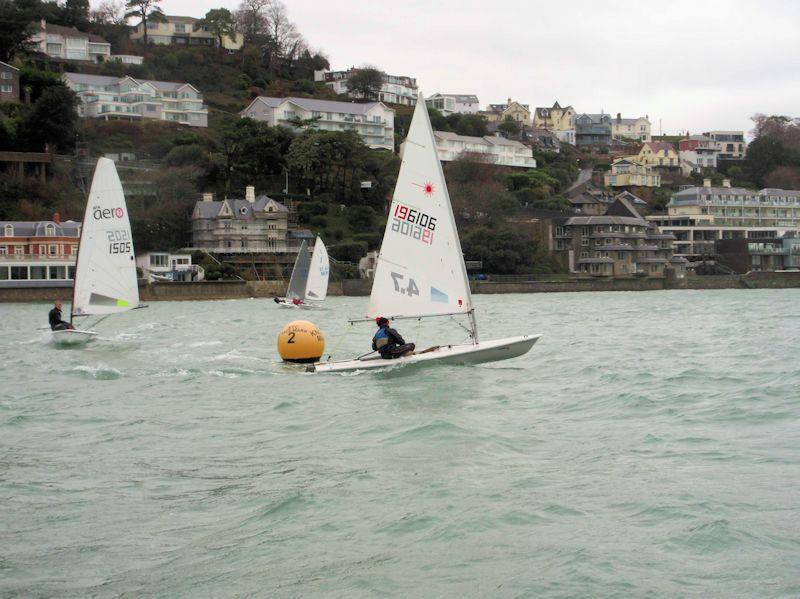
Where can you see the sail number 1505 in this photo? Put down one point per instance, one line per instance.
(119, 242)
(413, 223)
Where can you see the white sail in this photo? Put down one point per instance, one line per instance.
(299, 279)
(317, 287)
(420, 268)
(105, 276)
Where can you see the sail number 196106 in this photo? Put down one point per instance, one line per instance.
(413, 223)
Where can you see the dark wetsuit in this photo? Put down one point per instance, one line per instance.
(390, 344)
(56, 324)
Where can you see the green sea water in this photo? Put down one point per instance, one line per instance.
(648, 446)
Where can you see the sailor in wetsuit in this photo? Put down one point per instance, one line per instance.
(389, 343)
(56, 324)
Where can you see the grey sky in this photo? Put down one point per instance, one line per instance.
(696, 65)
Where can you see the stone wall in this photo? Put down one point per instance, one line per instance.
(479, 287)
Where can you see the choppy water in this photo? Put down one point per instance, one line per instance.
(649, 445)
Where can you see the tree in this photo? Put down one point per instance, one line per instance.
(219, 22)
(109, 12)
(505, 251)
(284, 42)
(146, 10)
(509, 126)
(75, 13)
(51, 120)
(251, 19)
(15, 28)
(365, 82)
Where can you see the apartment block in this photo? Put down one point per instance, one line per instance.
(38, 253)
(454, 103)
(181, 31)
(698, 152)
(395, 89)
(489, 149)
(373, 121)
(730, 144)
(133, 99)
(67, 43)
(701, 216)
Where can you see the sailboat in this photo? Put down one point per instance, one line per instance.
(420, 271)
(105, 274)
(309, 280)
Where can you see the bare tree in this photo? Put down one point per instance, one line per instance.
(109, 12)
(251, 19)
(285, 40)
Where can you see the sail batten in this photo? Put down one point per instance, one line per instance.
(420, 269)
(105, 274)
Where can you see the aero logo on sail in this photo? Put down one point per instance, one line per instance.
(100, 214)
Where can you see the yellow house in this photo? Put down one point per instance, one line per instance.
(627, 172)
(499, 112)
(180, 31)
(658, 153)
(561, 121)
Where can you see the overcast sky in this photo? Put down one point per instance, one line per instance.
(690, 65)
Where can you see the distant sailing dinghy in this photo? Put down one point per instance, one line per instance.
(105, 275)
(309, 281)
(420, 270)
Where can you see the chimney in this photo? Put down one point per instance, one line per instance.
(619, 117)
(726, 182)
(56, 218)
(250, 194)
(706, 182)
(509, 101)
(208, 197)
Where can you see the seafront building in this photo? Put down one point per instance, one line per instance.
(513, 110)
(454, 103)
(701, 216)
(182, 31)
(373, 121)
(257, 233)
(165, 266)
(395, 89)
(745, 255)
(489, 149)
(67, 43)
(132, 99)
(617, 244)
(38, 253)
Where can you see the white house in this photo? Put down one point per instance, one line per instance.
(698, 152)
(489, 149)
(69, 44)
(373, 121)
(395, 89)
(134, 99)
(163, 266)
(451, 103)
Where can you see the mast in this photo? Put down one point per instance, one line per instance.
(75, 278)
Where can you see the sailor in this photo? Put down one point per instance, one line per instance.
(56, 324)
(389, 343)
(297, 301)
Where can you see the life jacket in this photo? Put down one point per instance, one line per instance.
(381, 338)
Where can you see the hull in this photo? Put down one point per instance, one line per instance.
(72, 337)
(479, 353)
(284, 303)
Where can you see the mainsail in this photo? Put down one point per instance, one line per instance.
(420, 270)
(297, 284)
(317, 287)
(105, 275)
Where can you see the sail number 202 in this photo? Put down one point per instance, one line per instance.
(118, 242)
(401, 287)
(413, 223)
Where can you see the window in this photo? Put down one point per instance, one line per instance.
(57, 272)
(6, 75)
(180, 28)
(38, 272)
(158, 260)
(50, 230)
(152, 25)
(19, 250)
(53, 250)
(19, 273)
(3, 250)
(3, 273)
(6, 89)
(584, 241)
(9, 231)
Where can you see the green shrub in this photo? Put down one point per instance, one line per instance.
(351, 251)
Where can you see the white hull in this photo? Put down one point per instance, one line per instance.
(71, 337)
(284, 303)
(485, 351)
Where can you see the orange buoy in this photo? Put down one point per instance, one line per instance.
(301, 342)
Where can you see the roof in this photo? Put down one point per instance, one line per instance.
(36, 228)
(622, 206)
(106, 81)
(70, 32)
(178, 19)
(241, 209)
(605, 220)
(587, 199)
(632, 198)
(658, 146)
(487, 140)
(8, 65)
(461, 98)
(320, 105)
